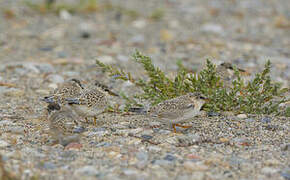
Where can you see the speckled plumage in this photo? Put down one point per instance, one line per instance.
(90, 103)
(226, 72)
(64, 124)
(69, 89)
(177, 110)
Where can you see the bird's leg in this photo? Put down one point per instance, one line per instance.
(174, 128)
(87, 120)
(178, 125)
(95, 121)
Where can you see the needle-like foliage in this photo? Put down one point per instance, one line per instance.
(259, 96)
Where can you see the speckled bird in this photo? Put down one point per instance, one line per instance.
(64, 124)
(92, 102)
(69, 89)
(178, 110)
(226, 71)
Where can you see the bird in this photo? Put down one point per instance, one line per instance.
(105, 88)
(64, 124)
(227, 74)
(69, 89)
(91, 102)
(177, 110)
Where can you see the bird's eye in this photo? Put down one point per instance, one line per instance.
(201, 97)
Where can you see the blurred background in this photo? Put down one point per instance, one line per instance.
(68, 35)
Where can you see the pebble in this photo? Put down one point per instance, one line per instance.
(106, 59)
(142, 156)
(195, 166)
(62, 54)
(140, 23)
(154, 149)
(161, 162)
(4, 144)
(13, 92)
(212, 114)
(45, 68)
(285, 173)
(123, 58)
(169, 157)
(64, 14)
(130, 172)
(71, 73)
(16, 130)
(55, 78)
(250, 120)
(285, 147)
(266, 120)
(242, 116)
(269, 170)
(138, 39)
(213, 28)
(49, 165)
(146, 137)
(87, 170)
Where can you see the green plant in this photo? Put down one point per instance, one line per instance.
(52, 6)
(259, 96)
(287, 112)
(157, 14)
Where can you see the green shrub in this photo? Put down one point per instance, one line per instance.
(259, 96)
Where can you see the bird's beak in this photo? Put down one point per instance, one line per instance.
(47, 99)
(72, 101)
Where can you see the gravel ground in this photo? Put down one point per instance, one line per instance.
(40, 51)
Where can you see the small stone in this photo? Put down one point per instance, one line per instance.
(42, 92)
(85, 35)
(169, 157)
(16, 130)
(242, 116)
(224, 140)
(45, 68)
(286, 174)
(250, 120)
(54, 78)
(62, 54)
(241, 142)
(161, 162)
(141, 23)
(106, 59)
(64, 14)
(88, 170)
(13, 92)
(285, 147)
(46, 48)
(49, 165)
(146, 137)
(194, 166)
(266, 120)
(52, 85)
(122, 58)
(213, 28)
(269, 170)
(138, 39)
(4, 143)
(142, 156)
(166, 35)
(212, 114)
(130, 172)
